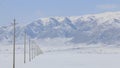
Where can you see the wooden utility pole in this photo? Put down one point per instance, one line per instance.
(32, 50)
(25, 48)
(29, 49)
(14, 44)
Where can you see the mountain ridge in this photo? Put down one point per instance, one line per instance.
(92, 28)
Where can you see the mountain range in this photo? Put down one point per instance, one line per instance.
(90, 29)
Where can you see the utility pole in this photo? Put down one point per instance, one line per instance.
(25, 48)
(29, 49)
(32, 50)
(14, 44)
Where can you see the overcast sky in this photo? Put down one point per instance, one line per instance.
(26, 11)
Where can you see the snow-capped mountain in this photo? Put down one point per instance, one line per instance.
(93, 28)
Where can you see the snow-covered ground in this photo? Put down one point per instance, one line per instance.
(67, 60)
(64, 57)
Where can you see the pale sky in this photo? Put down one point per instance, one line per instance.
(26, 11)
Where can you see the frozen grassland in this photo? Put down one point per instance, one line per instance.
(64, 57)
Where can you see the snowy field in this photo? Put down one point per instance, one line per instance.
(64, 57)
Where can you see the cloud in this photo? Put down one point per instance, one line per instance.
(108, 6)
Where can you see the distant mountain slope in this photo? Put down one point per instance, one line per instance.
(94, 28)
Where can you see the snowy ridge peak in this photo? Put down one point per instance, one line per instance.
(102, 18)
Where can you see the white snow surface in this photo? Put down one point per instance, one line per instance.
(64, 57)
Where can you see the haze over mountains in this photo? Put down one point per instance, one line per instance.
(91, 29)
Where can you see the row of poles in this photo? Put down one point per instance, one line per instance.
(34, 49)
